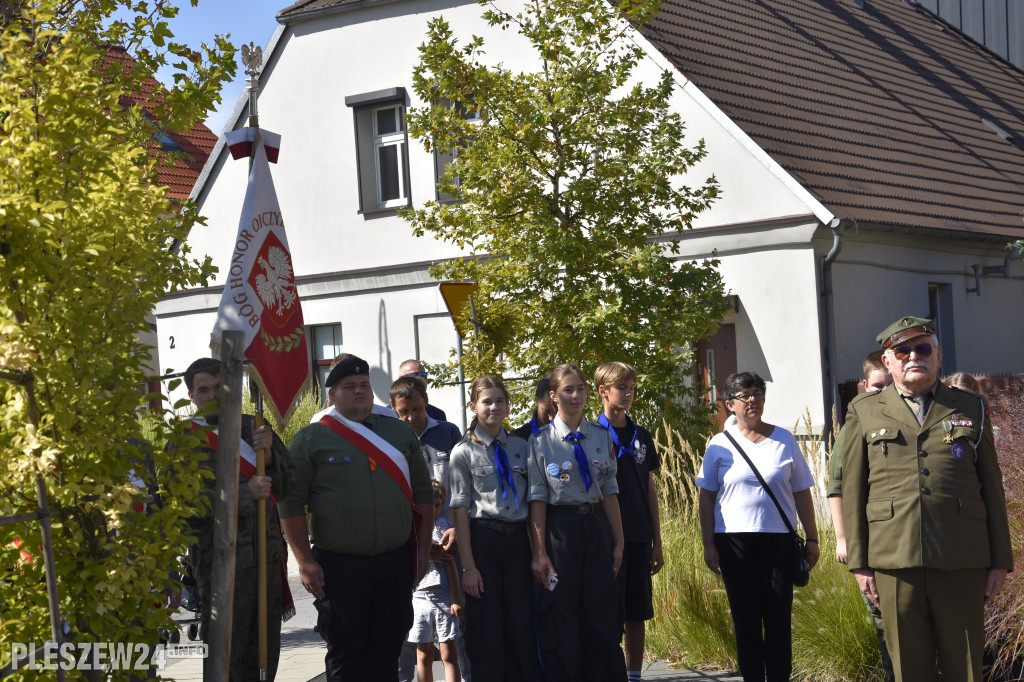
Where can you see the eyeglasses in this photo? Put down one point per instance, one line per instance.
(923, 350)
(748, 397)
(417, 374)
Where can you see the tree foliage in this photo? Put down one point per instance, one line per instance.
(86, 251)
(569, 197)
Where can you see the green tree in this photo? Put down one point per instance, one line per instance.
(87, 247)
(569, 198)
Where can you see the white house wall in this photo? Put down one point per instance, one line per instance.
(876, 282)
(315, 66)
(772, 272)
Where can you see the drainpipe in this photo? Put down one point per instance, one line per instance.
(838, 227)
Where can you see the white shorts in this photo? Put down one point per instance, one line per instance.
(431, 612)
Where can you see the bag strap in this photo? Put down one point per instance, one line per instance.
(763, 483)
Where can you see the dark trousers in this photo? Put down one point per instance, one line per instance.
(929, 612)
(367, 615)
(579, 620)
(758, 572)
(499, 625)
(245, 662)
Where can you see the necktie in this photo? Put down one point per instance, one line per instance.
(504, 473)
(581, 456)
(621, 449)
(920, 407)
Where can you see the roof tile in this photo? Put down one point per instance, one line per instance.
(877, 111)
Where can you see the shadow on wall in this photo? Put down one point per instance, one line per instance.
(380, 376)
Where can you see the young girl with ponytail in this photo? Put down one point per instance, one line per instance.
(488, 473)
(577, 539)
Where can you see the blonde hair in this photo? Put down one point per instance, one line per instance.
(439, 490)
(479, 385)
(611, 373)
(963, 380)
(873, 363)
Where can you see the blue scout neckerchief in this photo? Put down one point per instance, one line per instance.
(581, 456)
(504, 473)
(533, 424)
(621, 449)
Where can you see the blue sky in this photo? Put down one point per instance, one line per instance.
(246, 20)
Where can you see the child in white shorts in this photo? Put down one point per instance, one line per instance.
(437, 605)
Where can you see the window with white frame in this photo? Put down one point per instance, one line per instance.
(382, 155)
(326, 340)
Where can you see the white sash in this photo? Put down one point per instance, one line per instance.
(385, 447)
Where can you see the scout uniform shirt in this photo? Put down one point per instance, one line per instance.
(554, 473)
(474, 477)
(922, 495)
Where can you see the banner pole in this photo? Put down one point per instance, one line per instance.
(253, 60)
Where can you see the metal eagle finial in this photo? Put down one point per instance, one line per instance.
(252, 57)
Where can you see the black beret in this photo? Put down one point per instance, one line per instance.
(348, 367)
(201, 366)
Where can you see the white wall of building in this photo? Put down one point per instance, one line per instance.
(369, 273)
(879, 278)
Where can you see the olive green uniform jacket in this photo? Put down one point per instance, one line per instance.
(908, 499)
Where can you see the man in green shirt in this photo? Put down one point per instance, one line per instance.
(364, 481)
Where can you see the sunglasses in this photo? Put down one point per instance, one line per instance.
(417, 374)
(923, 350)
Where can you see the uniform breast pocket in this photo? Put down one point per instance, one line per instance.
(485, 478)
(880, 438)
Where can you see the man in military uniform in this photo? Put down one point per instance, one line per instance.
(202, 379)
(925, 514)
(365, 483)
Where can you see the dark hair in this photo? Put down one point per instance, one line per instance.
(201, 366)
(739, 381)
(408, 387)
(481, 384)
(543, 392)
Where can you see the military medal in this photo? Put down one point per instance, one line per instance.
(958, 451)
(947, 425)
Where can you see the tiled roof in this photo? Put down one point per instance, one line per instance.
(877, 110)
(304, 6)
(197, 142)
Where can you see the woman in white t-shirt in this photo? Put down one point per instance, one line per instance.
(745, 538)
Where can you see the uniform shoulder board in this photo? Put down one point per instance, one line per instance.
(864, 396)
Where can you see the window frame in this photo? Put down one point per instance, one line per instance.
(442, 160)
(369, 143)
(319, 364)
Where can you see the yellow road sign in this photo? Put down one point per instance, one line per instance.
(456, 297)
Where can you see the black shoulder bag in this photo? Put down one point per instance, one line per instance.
(801, 569)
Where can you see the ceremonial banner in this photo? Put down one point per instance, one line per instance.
(260, 298)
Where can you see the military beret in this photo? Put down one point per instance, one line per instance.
(904, 329)
(350, 366)
(201, 366)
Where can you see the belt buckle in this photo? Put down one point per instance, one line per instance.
(584, 508)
